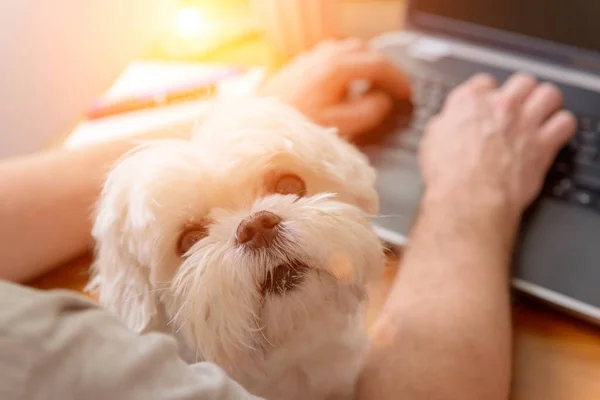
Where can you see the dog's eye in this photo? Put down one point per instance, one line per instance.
(189, 237)
(290, 184)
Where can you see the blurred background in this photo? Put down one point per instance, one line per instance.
(63, 59)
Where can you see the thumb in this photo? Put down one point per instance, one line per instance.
(356, 116)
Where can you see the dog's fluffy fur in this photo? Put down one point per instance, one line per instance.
(304, 343)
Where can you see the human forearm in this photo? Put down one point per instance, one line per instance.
(46, 203)
(445, 330)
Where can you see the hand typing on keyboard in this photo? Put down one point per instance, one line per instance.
(492, 147)
(317, 84)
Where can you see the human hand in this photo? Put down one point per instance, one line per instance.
(494, 145)
(317, 84)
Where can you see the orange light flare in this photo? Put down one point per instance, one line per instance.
(199, 27)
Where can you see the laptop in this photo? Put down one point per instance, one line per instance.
(446, 42)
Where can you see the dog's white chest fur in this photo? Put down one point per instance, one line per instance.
(318, 364)
(313, 355)
(250, 244)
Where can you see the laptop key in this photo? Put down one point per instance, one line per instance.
(582, 197)
(408, 140)
(587, 153)
(588, 137)
(590, 182)
(562, 188)
(586, 123)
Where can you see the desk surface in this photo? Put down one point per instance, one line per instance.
(556, 357)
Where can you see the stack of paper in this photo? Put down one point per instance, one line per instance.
(142, 77)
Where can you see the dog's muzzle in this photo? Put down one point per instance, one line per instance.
(261, 230)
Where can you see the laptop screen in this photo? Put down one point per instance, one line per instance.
(573, 23)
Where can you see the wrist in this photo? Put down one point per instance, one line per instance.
(483, 213)
(468, 198)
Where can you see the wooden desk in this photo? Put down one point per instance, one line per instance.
(556, 357)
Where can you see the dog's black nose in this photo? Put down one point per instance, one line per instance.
(258, 230)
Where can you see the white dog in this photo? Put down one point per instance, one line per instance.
(250, 244)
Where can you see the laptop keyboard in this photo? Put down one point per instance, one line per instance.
(429, 94)
(575, 175)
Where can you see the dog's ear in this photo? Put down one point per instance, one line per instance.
(122, 286)
(351, 165)
(120, 275)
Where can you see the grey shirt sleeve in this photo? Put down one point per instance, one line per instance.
(57, 345)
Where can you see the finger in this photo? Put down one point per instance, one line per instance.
(517, 88)
(477, 84)
(543, 102)
(557, 131)
(360, 115)
(481, 83)
(374, 67)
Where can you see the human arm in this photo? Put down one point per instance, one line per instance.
(444, 332)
